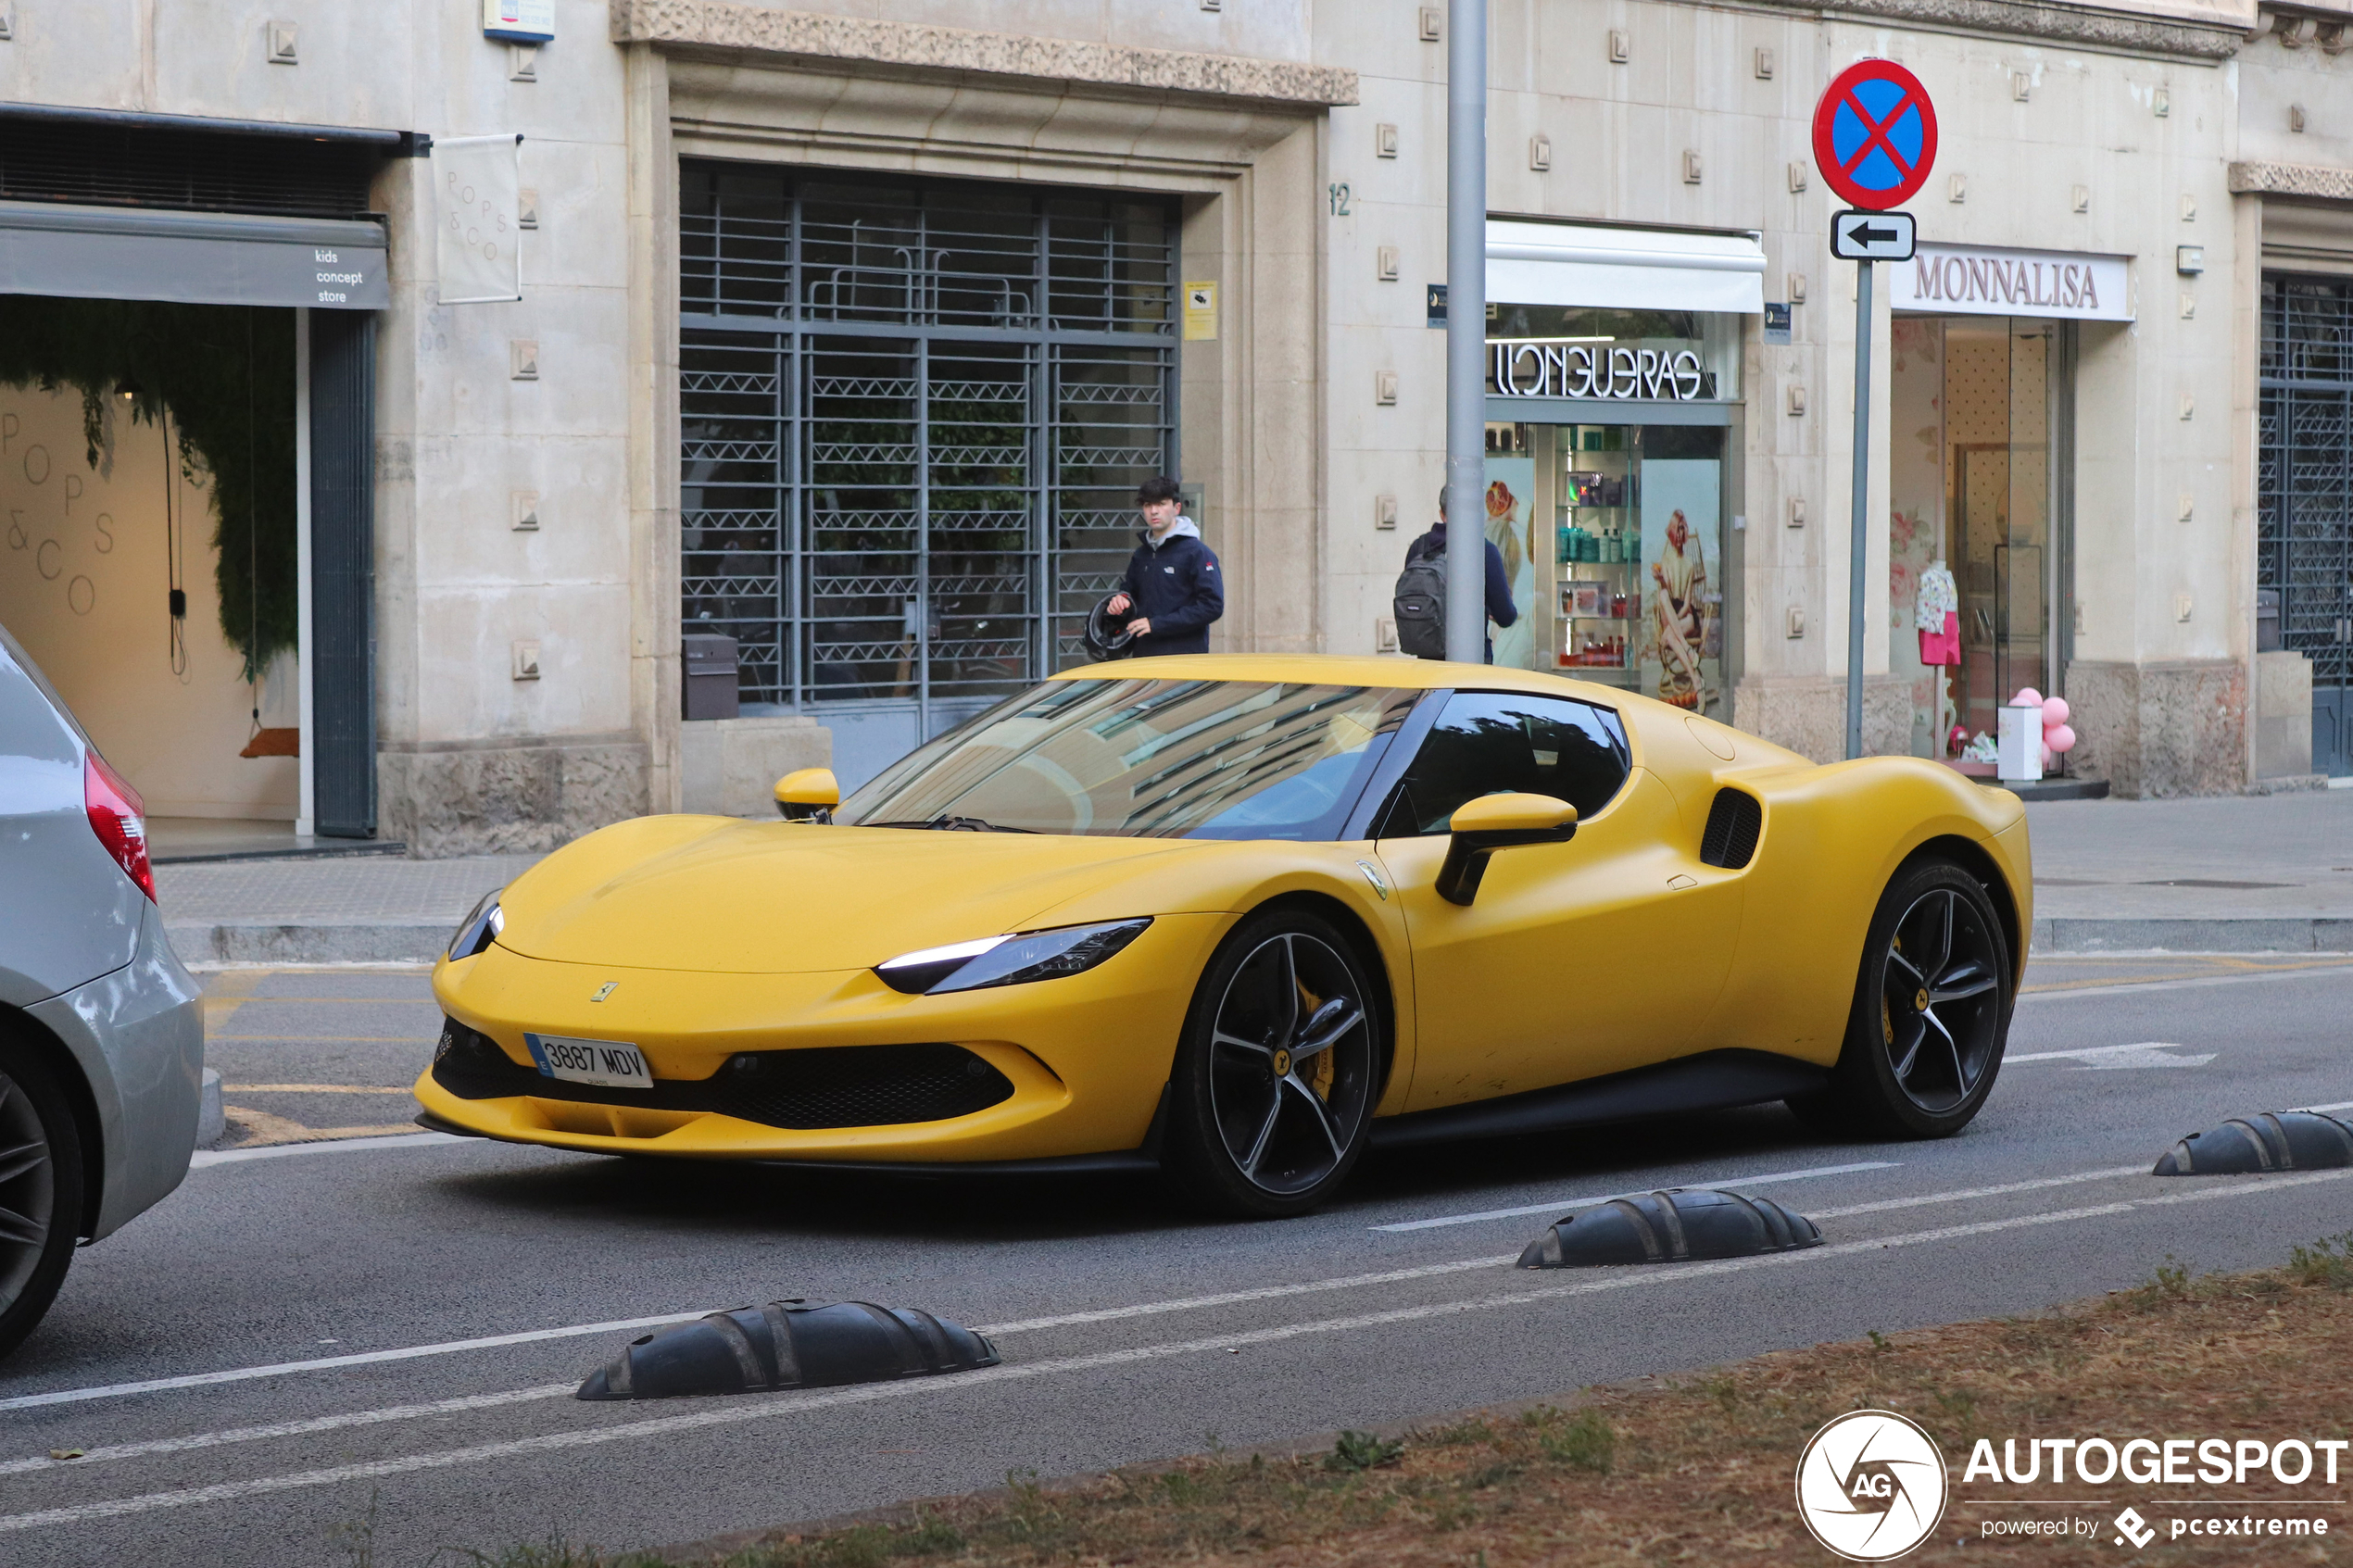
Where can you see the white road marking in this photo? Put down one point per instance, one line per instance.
(288, 1428)
(326, 1363)
(1962, 1194)
(2340, 1105)
(1563, 1203)
(759, 1409)
(2147, 1053)
(1265, 1293)
(2145, 986)
(204, 1157)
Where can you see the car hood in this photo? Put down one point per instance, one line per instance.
(722, 894)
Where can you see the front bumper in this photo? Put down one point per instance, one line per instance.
(1085, 1056)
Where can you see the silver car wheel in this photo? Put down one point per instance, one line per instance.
(1291, 1061)
(1940, 1000)
(28, 1191)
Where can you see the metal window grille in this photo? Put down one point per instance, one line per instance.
(2304, 491)
(913, 418)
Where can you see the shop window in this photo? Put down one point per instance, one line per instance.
(1612, 539)
(1487, 743)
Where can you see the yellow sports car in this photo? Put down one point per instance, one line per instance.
(1235, 918)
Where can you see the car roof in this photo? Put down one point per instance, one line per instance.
(1346, 669)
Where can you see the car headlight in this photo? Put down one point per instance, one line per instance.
(1008, 961)
(480, 928)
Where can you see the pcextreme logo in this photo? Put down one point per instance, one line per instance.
(1872, 1486)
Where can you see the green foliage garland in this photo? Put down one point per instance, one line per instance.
(226, 375)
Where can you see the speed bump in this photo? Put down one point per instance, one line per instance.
(2273, 1140)
(1680, 1225)
(793, 1344)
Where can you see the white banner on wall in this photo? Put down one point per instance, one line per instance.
(1981, 281)
(522, 21)
(478, 180)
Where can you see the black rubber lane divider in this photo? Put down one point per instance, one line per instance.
(2276, 1140)
(1678, 1225)
(793, 1344)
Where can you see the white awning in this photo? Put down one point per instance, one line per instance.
(1624, 269)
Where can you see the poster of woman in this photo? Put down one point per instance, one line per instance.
(1510, 521)
(1682, 639)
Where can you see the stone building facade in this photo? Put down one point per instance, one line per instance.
(843, 327)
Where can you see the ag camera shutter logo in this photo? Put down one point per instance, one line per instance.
(1872, 1486)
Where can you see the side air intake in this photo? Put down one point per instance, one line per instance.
(1732, 825)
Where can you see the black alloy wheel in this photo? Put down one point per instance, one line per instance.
(1931, 1009)
(1278, 1071)
(40, 1193)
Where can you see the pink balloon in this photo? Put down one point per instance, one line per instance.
(2059, 738)
(2054, 713)
(2027, 697)
(2047, 757)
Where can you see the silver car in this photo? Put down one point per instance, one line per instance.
(101, 1029)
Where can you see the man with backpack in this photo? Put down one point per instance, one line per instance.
(1171, 585)
(1421, 593)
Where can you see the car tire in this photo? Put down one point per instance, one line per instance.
(41, 1192)
(1932, 1012)
(1281, 1063)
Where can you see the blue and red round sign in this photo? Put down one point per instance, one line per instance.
(1875, 134)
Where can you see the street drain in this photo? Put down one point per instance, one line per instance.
(1678, 1225)
(2276, 1140)
(791, 1344)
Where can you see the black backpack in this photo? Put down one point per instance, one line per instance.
(1421, 606)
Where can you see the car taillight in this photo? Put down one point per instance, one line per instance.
(116, 813)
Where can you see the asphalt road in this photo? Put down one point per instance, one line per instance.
(1130, 1332)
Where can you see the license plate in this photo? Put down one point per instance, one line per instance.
(608, 1063)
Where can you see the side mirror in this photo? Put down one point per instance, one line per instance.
(1498, 821)
(808, 794)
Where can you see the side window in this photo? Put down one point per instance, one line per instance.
(1489, 741)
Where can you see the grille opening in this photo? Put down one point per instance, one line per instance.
(1734, 822)
(822, 1086)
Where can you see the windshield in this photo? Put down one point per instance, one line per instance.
(1147, 760)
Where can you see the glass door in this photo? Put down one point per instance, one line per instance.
(2025, 544)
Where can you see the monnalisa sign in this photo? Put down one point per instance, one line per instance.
(1526, 369)
(1975, 280)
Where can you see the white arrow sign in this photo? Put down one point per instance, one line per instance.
(1871, 236)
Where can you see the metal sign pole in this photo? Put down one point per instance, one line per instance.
(1466, 331)
(1859, 515)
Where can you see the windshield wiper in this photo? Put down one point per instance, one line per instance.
(954, 825)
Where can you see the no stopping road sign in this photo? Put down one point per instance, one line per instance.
(1875, 134)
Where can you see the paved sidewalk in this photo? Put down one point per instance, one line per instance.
(2218, 875)
(2230, 874)
(366, 910)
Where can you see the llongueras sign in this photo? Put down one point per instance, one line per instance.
(1522, 368)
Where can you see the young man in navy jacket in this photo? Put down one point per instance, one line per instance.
(1172, 580)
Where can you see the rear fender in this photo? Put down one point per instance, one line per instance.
(1833, 838)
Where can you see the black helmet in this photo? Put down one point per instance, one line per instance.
(1107, 636)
